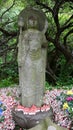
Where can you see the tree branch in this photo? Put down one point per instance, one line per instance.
(8, 33)
(44, 6)
(71, 7)
(4, 31)
(65, 38)
(68, 0)
(64, 51)
(3, 42)
(66, 27)
(49, 38)
(56, 11)
(8, 49)
(60, 47)
(7, 9)
(6, 23)
(68, 20)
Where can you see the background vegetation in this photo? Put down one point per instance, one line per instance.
(59, 69)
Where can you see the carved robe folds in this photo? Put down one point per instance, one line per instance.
(32, 64)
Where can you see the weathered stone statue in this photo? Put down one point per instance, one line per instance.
(32, 49)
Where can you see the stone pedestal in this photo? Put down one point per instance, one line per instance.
(47, 124)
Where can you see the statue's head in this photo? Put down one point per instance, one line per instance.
(32, 22)
(33, 18)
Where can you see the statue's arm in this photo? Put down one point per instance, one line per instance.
(44, 43)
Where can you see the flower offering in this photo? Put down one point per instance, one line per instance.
(8, 99)
(62, 103)
(66, 100)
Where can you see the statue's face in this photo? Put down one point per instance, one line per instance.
(32, 23)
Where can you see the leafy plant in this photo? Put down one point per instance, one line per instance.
(7, 82)
(48, 86)
(64, 74)
(66, 100)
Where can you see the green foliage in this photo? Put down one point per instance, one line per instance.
(65, 72)
(57, 86)
(9, 75)
(6, 82)
(8, 61)
(48, 86)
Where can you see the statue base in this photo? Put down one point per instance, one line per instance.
(47, 124)
(28, 118)
(40, 121)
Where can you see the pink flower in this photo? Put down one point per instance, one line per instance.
(69, 98)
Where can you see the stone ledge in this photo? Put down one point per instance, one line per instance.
(47, 124)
